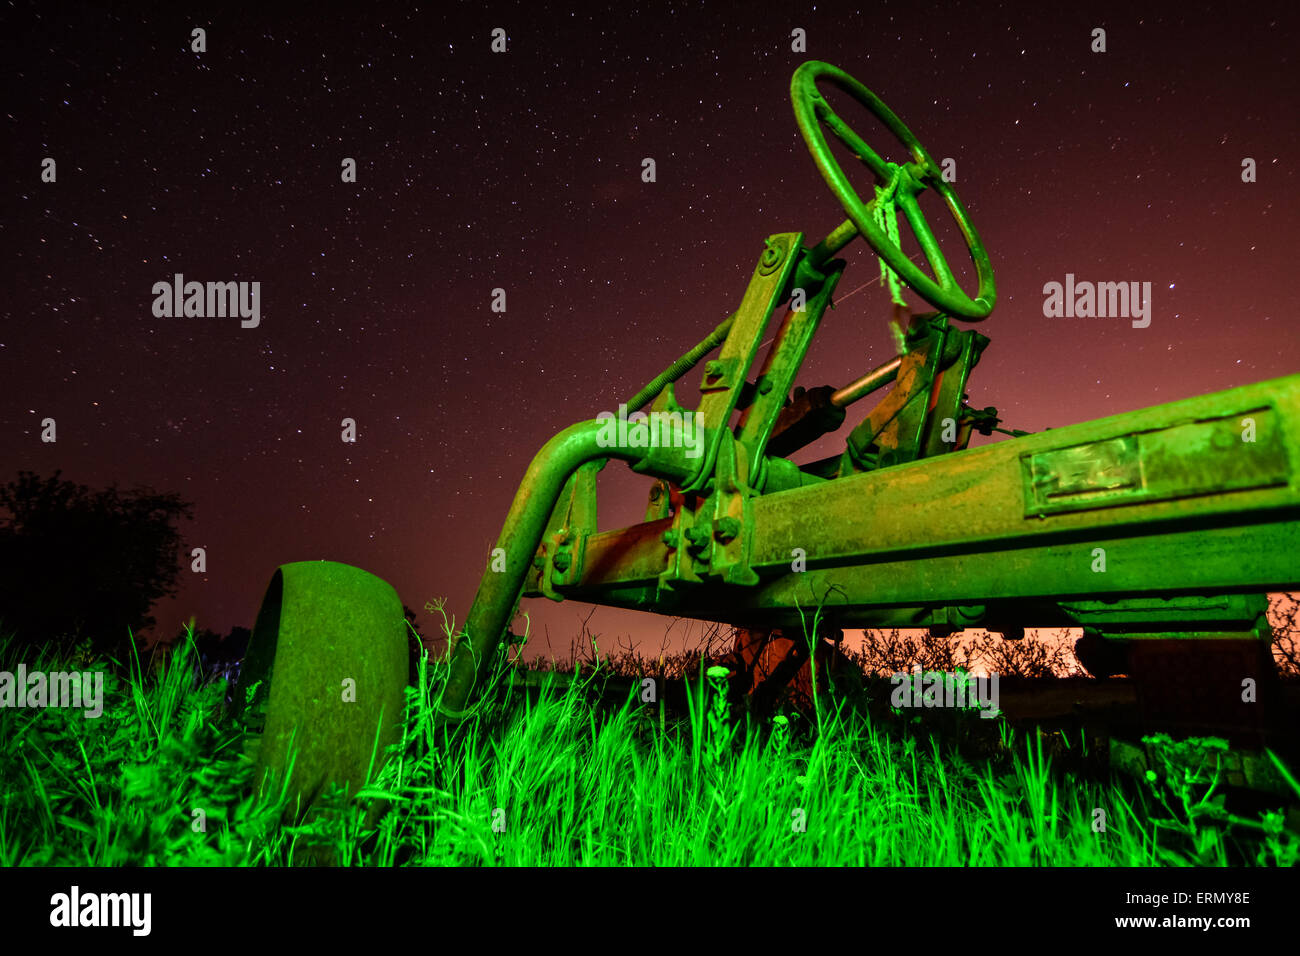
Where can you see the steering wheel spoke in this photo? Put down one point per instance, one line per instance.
(929, 245)
(856, 144)
(942, 291)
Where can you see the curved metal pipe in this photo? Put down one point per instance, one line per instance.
(499, 591)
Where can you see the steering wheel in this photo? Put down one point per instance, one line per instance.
(906, 181)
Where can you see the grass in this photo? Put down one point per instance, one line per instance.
(563, 774)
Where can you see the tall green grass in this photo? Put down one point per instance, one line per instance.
(563, 774)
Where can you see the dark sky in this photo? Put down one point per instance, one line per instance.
(522, 170)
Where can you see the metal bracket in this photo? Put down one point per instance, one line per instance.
(733, 517)
(725, 376)
(559, 558)
(679, 570)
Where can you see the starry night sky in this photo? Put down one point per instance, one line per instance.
(522, 170)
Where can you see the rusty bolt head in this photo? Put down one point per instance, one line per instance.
(771, 258)
(728, 528)
(698, 537)
(563, 560)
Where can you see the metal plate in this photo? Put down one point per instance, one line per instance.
(1211, 456)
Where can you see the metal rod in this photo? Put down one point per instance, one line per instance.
(840, 237)
(818, 256)
(683, 365)
(868, 383)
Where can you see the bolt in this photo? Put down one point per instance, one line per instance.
(728, 528)
(562, 561)
(771, 256)
(656, 492)
(764, 385)
(672, 538)
(698, 537)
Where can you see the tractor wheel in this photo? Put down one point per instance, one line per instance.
(328, 657)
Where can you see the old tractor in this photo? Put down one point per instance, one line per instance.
(1158, 532)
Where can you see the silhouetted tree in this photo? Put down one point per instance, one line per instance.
(80, 565)
(235, 645)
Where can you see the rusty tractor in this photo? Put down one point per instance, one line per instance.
(1158, 532)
